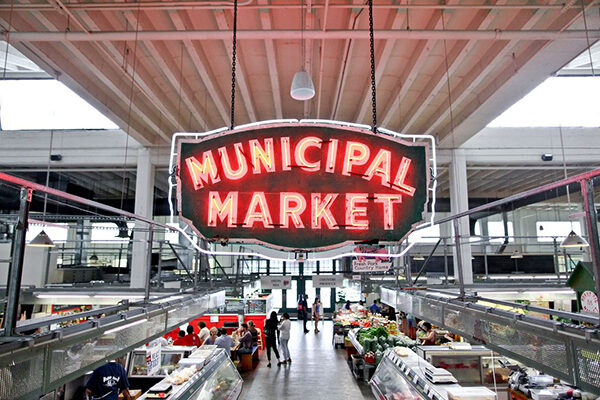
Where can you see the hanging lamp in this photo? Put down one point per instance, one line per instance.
(42, 239)
(516, 254)
(302, 85)
(574, 240)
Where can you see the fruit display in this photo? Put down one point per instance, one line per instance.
(378, 339)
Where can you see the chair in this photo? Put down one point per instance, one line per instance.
(259, 339)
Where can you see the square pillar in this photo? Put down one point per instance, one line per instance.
(144, 203)
(459, 202)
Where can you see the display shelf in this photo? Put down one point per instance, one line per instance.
(169, 355)
(217, 380)
(354, 341)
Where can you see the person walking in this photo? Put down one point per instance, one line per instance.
(317, 309)
(303, 310)
(272, 337)
(284, 337)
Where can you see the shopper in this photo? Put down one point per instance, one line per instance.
(303, 310)
(107, 381)
(191, 338)
(224, 341)
(213, 336)
(429, 339)
(284, 337)
(317, 309)
(347, 305)
(272, 337)
(204, 332)
(245, 344)
(181, 339)
(253, 332)
(374, 309)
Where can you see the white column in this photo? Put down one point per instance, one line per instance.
(459, 202)
(144, 202)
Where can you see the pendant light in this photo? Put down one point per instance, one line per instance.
(572, 239)
(302, 85)
(516, 254)
(42, 239)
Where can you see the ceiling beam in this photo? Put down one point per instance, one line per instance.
(240, 75)
(265, 21)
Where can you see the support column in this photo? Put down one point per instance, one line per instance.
(144, 201)
(459, 202)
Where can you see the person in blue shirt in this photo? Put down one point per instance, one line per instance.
(374, 309)
(107, 381)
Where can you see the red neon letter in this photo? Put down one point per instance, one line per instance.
(259, 154)
(241, 160)
(388, 201)
(399, 183)
(291, 205)
(200, 172)
(286, 158)
(356, 154)
(331, 155)
(258, 210)
(353, 211)
(220, 210)
(321, 210)
(303, 144)
(380, 166)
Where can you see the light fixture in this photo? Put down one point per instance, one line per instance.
(61, 296)
(93, 258)
(418, 257)
(516, 254)
(41, 240)
(302, 84)
(574, 240)
(120, 328)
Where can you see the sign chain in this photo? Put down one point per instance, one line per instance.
(233, 55)
(373, 91)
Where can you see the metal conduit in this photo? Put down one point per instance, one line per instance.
(295, 34)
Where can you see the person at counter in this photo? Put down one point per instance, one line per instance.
(429, 338)
(191, 338)
(347, 305)
(181, 339)
(374, 309)
(204, 332)
(224, 341)
(253, 332)
(245, 344)
(107, 381)
(213, 336)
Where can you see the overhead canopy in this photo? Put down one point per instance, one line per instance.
(487, 56)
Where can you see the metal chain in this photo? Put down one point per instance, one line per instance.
(373, 85)
(233, 54)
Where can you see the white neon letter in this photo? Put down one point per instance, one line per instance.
(399, 183)
(356, 154)
(321, 210)
(380, 166)
(388, 201)
(219, 210)
(331, 156)
(300, 153)
(354, 212)
(292, 205)
(242, 169)
(263, 156)
(201, 171)
(258, 210)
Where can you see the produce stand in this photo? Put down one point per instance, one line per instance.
(404, 378)
(217, 379)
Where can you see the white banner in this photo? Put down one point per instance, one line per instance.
(328, 281)
(372, 265)
(275, 282)
(153, 357)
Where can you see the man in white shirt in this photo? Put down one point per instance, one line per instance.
(204, 331)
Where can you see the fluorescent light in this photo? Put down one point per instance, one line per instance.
(119, 296)
(62, 296)
(120, 328)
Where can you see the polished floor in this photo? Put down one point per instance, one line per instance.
(318, 371)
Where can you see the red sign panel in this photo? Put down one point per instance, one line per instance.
(302, 186)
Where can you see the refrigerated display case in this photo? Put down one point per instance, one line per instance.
(169, 360)
(216, 379)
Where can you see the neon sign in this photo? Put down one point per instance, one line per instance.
(302, 186)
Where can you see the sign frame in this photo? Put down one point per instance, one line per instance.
(429, 159)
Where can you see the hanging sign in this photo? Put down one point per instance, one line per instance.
(380, 263)
(328, 281)
(302, 186)
(589, 302)
(275, 282)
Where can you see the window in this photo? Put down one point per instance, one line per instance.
(426, 235)
(277, 298)
(56, 232)
(326, 297)
(547, 230)
(276, 267)
(291, 295)
(326, 266)
(107, 232)
(496, 230)
(310, 291)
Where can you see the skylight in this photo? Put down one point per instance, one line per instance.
(46, 104)
(558, 101)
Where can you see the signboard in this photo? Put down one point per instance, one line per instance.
(589, 302)
(328, 281)
(380, 263)
(302, 186)
(153, 357)
(275, 282)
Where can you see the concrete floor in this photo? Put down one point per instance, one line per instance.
(318, 371)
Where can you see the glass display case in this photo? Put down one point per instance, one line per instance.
(169, 356)
(224, 384)
(389, 383)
